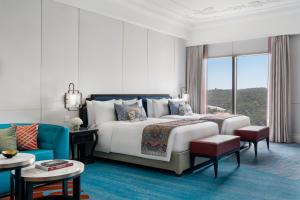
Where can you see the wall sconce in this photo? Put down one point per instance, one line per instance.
(73, 98)
(184, 94)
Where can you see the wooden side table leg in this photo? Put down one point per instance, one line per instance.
(94, 144)
(18, 184)
(12, 187)
(65, 188)
(215, 161)
(29, 190)
(76, 188)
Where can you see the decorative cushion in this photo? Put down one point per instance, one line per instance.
(136, 114)
(185, 109)
(8, 138)
(27, 137)
(174, 106)
(160, 107)
(121, 110)
(105, 111)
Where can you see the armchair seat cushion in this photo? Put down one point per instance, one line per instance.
(41, 154)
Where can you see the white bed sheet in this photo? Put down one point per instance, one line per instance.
(229, 125)
(125, 137)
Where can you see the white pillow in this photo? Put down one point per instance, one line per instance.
(105, 111)
(90, 113)
(133, 101)
(160, 107)
(149, 108)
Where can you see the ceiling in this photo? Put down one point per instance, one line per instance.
(197, 11)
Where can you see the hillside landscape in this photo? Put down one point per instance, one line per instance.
(251, 102)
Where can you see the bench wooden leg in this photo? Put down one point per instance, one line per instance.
(215, 161)
(255, 148)
(268, 142)
(237, 153)
(192, 160)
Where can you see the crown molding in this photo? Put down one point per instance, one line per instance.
(170, 17)
(132, 13)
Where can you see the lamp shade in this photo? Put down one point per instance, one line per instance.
(73, 98)
(185, 97)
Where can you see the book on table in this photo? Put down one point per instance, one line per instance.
(53, 165)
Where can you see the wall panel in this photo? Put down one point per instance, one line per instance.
(20, 44)
(59, 58)
(100, 54)
(135, 59)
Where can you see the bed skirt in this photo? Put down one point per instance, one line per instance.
(180, 161)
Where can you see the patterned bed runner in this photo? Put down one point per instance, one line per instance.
(218, 119)
(156, 136)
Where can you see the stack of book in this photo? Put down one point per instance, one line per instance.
(53, 165)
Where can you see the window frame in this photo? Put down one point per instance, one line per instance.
(234, 74)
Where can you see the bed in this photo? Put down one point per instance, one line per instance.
(121, 140)
(228, 126)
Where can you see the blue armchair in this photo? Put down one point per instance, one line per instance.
(53, 143)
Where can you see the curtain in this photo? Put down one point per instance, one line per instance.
(196, 77)
(279, 89)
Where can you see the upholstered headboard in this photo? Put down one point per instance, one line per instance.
(106, 97)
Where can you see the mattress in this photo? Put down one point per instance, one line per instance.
(228, 127)
(125, 137)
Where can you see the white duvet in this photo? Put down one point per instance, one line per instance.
(125, 137)
(229, 125)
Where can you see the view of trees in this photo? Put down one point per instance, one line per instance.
(251, 102)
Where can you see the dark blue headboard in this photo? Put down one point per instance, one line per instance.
(107, 97)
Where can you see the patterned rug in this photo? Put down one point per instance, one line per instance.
(53, 189)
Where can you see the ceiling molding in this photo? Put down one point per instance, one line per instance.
(131, 13)
(185, 19)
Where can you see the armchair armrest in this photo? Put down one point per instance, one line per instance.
(56, 138)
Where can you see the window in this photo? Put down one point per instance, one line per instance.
(239, 85)
(252, 93)
(219, 84)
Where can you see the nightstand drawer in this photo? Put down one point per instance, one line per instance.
(82, 138)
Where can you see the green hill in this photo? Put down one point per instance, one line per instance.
(251, 102)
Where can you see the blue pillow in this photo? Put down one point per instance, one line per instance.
(174, 106)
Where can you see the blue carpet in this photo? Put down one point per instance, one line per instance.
(275, 175)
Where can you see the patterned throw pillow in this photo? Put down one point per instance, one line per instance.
(121, 110)
(185, 109)
(174, 106)
(8, 138)
(136, 114)
(27, 137)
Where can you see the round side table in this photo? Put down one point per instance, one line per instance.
(32, 176)
(16, 163)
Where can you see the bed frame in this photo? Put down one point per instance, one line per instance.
(179, 162)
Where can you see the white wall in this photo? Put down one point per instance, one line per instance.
(295, 65)
(44, 46)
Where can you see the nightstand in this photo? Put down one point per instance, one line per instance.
(81, 138)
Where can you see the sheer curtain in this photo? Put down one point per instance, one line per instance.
(196, 77)
(279, 89)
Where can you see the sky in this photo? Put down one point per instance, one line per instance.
(252, 72)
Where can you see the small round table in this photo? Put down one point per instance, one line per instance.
(32, 176)
(16, 163)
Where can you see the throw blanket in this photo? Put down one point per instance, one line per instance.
(156, 136)
(218, 119)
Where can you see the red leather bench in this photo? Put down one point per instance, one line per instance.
(215, 147)
(253, 134)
